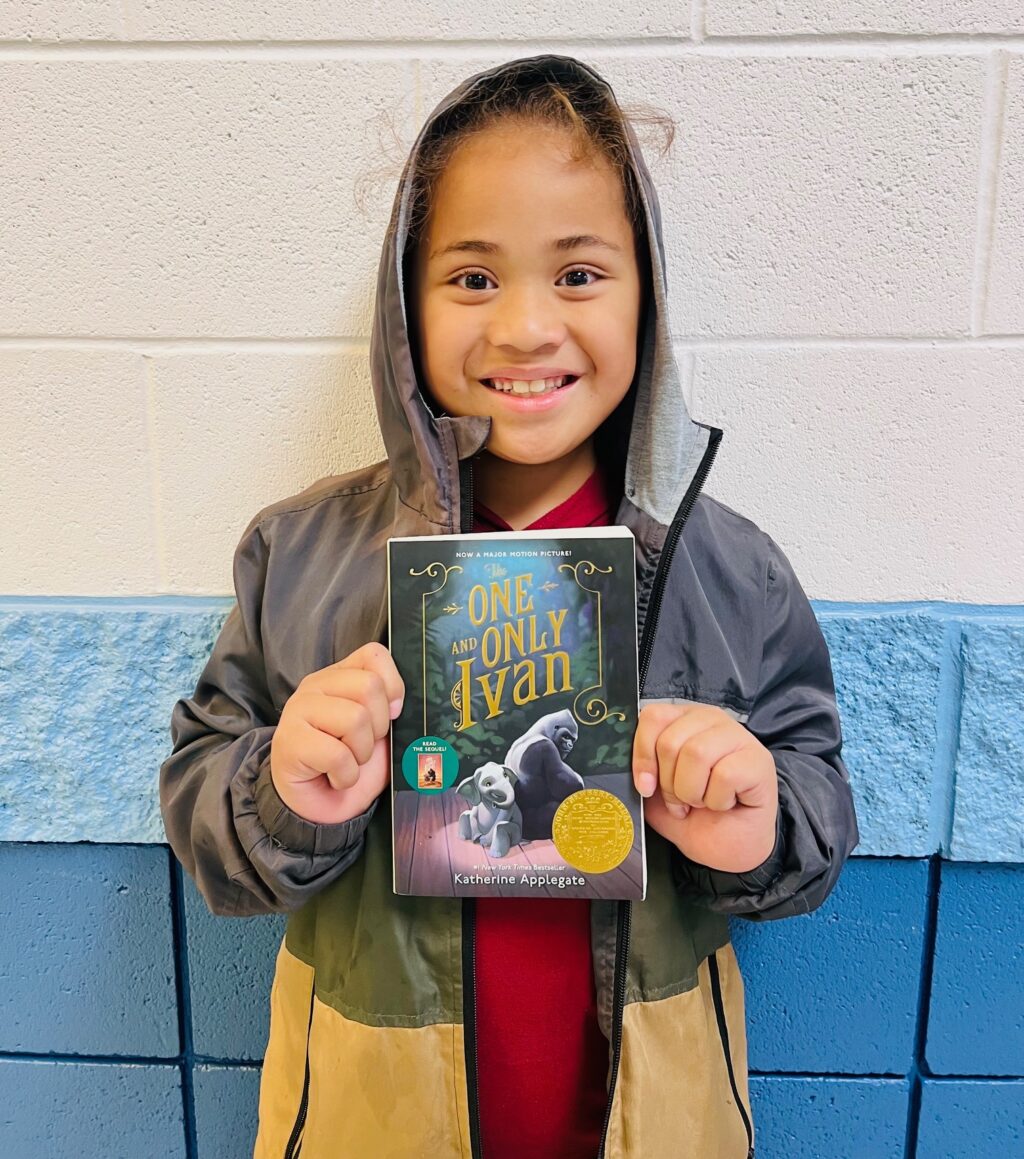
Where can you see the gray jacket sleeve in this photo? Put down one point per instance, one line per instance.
(247, 851)
(795, 716)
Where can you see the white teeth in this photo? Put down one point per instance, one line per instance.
(523, 386)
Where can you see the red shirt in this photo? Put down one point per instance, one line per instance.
(542, 1060)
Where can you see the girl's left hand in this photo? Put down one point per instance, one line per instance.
(710, 785)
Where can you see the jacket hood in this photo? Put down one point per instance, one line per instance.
(664, 444)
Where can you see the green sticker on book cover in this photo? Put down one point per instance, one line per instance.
(430, 765)
(592, 830)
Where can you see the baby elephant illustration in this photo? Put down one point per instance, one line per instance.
(494, 821)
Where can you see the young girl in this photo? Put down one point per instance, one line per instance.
(524, 377)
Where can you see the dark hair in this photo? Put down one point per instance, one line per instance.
(529, 95)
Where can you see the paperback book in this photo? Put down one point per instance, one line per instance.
(511, 761)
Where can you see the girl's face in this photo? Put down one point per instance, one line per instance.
(528, 271)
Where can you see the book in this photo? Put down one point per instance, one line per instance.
(511, 760)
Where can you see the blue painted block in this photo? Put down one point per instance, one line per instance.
(988, 823)
(886, 667)
(86, 953)
(829, 1118)
(968, 1120)
(53, 1110)
(836, 990)
(976, 1014)
(85, 704)
(231, 967)
(227, 1111)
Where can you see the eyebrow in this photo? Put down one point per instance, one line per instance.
(563, 244)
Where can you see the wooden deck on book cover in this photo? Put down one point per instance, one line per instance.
(426, 823)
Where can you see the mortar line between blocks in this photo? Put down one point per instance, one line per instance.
(663, 46)
(993, 123)
(182, 983)
(71, 1059)
(948, 710)
(698, 20)
(924, 996)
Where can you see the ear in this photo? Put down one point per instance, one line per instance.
(512, 775)
(469, 789)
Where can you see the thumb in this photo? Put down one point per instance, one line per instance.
(656, 815)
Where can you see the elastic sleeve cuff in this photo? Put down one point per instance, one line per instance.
(758, 879)
(294, 833)
(714, 883)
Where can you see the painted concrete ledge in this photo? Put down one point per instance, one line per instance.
(930, 698)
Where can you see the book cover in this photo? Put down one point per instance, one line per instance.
(511, 761)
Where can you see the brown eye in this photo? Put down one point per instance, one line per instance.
(471, 274)
(581, 285)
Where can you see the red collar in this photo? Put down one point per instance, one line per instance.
(593, 505)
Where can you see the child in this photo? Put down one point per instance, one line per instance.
(524, 377)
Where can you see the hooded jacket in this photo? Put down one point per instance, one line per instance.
(372, 1048)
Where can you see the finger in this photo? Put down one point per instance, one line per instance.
(326, 755)
(349, 721)
(656, 815)
(374, 657)
(671, 740)
(352, 686)
(720, 794)
(651, 723)
(737, 779)
(343, 772)
(695, 759)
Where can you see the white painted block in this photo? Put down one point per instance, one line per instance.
(33, 20)
(1004, 312)
(818, 197)
(194, 196)
(76, 517)
(433, 20)
(803, 196)
(904, 17)
(237, 432)
(883, 473)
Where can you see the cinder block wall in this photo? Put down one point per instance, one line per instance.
(194, 200)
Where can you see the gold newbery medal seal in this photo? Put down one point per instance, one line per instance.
(593, 831)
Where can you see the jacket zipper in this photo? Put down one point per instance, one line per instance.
(625, 917)
(294, 1145)
(625, 912)
(625, 908)
(723, 1031)
(469, 1021)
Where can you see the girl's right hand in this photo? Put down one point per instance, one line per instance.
(329, 758)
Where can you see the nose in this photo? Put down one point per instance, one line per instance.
(526, 317)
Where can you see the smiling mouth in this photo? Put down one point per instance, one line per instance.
(537, 386)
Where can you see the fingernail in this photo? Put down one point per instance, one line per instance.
(647, 783)
(677, 809)
(395, 707)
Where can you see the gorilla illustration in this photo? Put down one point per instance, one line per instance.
(543, 779)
